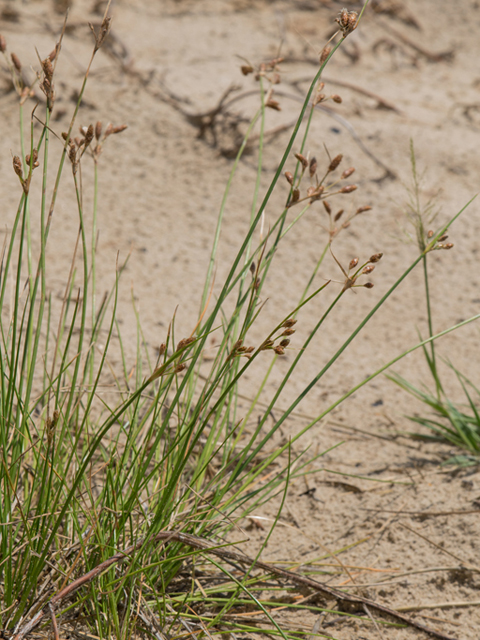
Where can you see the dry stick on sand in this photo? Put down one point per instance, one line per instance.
(229, 556)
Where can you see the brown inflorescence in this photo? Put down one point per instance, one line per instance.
(335, 162)
(347, 20)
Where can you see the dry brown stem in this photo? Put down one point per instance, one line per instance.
(229, 556)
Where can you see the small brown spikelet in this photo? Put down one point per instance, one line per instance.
(285, 342)
(430, 234)
(16, 62)
(119, 128)
(180, 367)
(89, 135)
(368, 269)
(325, 53)
(327, 206)
(161, 349)
(376, 257)
(363, 209)
(295, 195)
(443, 238)
(335, 162)
(53, 54)
(47, 68)
(289, 323)
(302, 159)
(313, 166)
(268, 344)
(34, 159)
(280, 351)
(289, 177)
(246, 69)
(17, 167)
(320, 97)
(338, 215)
(98, 130)
(288, 332)
(273, 104)
(3, 44)
(347, 20)
(72, 153)
(347, 173)
(368, 285)
(108, 130)
(353, 264)
(336, 98)
(348, 188)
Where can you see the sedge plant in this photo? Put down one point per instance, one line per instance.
(450, 422)
(115, 508)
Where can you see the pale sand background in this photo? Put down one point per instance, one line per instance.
(160, 192)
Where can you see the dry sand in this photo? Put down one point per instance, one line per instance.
(409, 520)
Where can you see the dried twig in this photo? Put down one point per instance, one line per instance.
(229, 556)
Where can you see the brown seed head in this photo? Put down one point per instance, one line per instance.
(363, 209)
(319, 97)
(53, 54)
(72, 153)
(347, 173)
(249, 349)
(64, 135)
(295, 194)
(444, 237)
(3, 44)
(98, 130)
(353, 264)
(268, 344)
(119, 128)
(368, 285)
(430, 234)
(302, 159)
(280, 351)
(368, 269)
(327, 206)
(376, 257)
(288, 332)
(348, 188)
(347, 21)
(47, 68)
(162, 348)
(289, 177)
(16, 62)
(325, 53)
(34, 159)
(89, 135)
(108, 130)
(17, 167)
(313, 166)
(285, 342)
(289, 323)
(184, 342)
(336, 98)
(276, 78)
(180, 367)
(338, 215)
(246, 69)
(273, 104)
(447, 246)
(335, 162)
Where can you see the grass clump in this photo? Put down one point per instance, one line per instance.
(116, 508)
(450, 422)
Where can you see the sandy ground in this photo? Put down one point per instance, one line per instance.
(403, 518)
